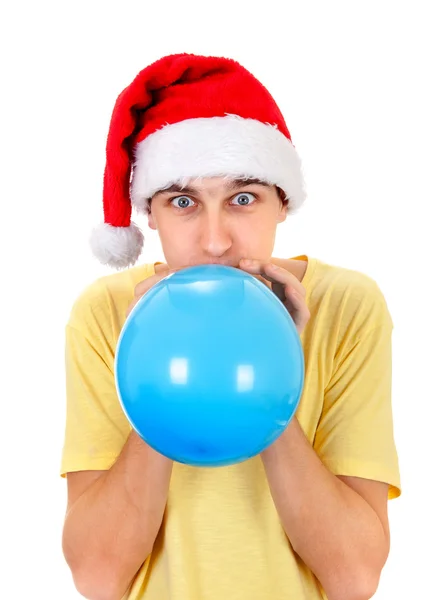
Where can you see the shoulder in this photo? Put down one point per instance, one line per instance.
(354, 298)
(348, 282)
(107, 295)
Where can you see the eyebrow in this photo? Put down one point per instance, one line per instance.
(232, 184)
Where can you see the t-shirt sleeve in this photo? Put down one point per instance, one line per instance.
(355, 435)
(96, 428)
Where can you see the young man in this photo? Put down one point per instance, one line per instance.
(199, 145)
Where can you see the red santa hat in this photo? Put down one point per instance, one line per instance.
(188, 116)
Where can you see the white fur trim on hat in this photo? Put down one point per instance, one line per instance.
(216, 146)
(117, 247)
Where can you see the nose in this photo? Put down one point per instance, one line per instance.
(216, 237)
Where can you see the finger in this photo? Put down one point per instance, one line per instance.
(272, 273)
(299, 307)
(279, 291)
(280, 275)
(143, 286)
(162, 267)
(256, 269)
(276, 287)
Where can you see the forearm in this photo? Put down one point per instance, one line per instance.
(111, 528)
(331, 527)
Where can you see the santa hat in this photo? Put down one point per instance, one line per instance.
(188, 116)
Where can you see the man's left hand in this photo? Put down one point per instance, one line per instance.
(286, 286)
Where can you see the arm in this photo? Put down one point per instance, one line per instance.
(114, 510)
(330, 495)
(111, 526)
(342, 537)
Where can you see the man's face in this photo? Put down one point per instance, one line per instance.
(216, 220)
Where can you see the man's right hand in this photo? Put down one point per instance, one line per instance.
(144, 286)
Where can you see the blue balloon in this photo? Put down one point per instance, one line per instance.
(209, 366)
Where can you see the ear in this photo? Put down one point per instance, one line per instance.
(282, 215)
(151, 221)
(283, 205)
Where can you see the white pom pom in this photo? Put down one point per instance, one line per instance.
(118, 247)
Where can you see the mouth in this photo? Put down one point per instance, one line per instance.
(218, 262)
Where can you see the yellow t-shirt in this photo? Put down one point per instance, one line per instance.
(221, 537)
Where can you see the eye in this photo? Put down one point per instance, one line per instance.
(183, 201)
(244, 198)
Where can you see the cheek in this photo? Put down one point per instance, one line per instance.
(176, 240)
(257, 231)
(256, 243)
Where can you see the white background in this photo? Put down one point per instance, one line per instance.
(359, 85)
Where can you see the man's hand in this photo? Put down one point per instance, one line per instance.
(286, 286)
(144, 286)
